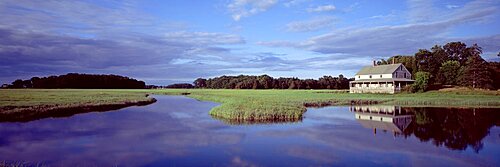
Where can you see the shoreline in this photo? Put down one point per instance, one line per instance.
(31, 113)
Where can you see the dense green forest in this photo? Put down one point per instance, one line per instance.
(79, 81)
(267, 82)
(452, 64)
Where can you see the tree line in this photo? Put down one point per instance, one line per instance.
(267, 82)
(79, 81)
(455, 63)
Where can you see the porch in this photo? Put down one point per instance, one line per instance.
(378, 86)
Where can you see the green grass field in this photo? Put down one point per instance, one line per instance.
(248, 104)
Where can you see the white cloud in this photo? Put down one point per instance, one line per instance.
(291, 3)
(324, 8)
(422, 11)
(310, 25)
(245, 8)
(385, 41)
(452, 6)
(204, 38)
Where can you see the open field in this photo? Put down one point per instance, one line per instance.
(241, 104)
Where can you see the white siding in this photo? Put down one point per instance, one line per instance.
(373, 76)
(381, 118)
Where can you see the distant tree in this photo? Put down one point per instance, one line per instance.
(265, 81)
(408, 61)
(421, 81)
(494, 68)
(456, 51)
(200, 83)
(180, 86)
(423, 57)
(80, 81)
(17, 84)
(449, 72)
(476, 73)
(382, 62)
(474, 50)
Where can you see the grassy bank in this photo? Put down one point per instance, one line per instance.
(247, 105)
(291, 104)
(31, 104)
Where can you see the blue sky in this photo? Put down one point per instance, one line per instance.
(163, 42)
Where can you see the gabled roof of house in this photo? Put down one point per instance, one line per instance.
(379, 69)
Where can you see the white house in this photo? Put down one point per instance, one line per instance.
(388, 78)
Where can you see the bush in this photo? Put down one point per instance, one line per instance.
(421, 82)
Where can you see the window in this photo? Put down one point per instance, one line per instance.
(405, 75)
(395, 74)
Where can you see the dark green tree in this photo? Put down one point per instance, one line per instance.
(476, 73)
(449, 72)
(200, 83)
(456, 51)
(423, 58)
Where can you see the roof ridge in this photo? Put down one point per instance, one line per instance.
(379, 69)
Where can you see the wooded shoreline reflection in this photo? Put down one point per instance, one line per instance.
(454, 128)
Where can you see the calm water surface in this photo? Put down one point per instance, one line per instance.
(177, 131)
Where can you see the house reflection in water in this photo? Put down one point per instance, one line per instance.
(386, 118)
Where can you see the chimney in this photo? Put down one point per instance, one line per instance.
(393, 60)
(374, 63)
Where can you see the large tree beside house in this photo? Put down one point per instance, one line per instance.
(455, 63)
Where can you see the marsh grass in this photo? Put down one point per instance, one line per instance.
(21, 100)
(248, 105)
